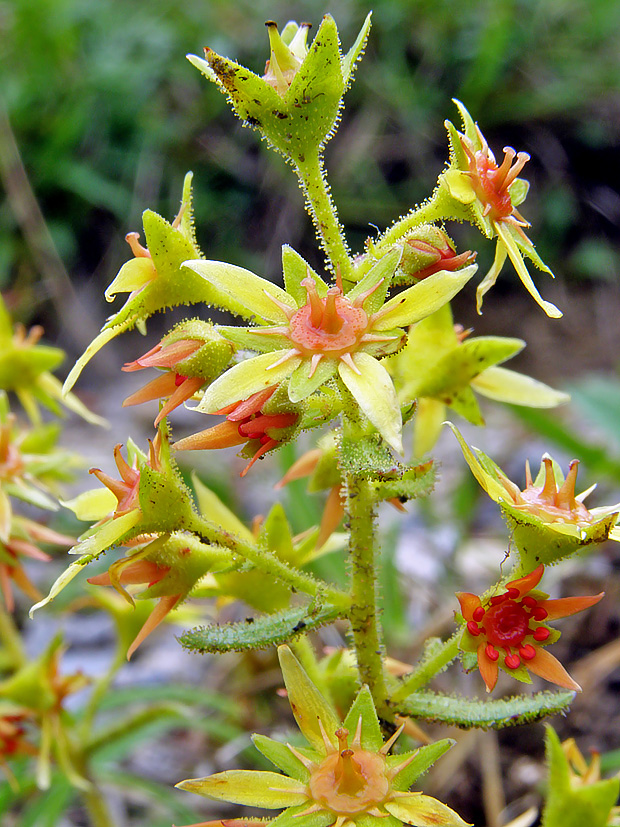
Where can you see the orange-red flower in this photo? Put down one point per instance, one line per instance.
(172, 384)
(130, 571)
(245, 423)
(126, 490)
(509, 630)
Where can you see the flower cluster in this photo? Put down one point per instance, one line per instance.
(338, 779)
(508, 630)
(252, 422)
(491, 194)
(311, 333)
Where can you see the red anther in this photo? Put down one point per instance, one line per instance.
(527, 652)
(539, 613)
(478, 614)
(499, 598)
(541, 634)
(473, 628)
(512, 661)
(491, 652)
(178, 379)
(512, 593)
(529, 602)
(265, 439)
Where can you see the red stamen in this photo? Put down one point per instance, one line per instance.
(478, 614)
(491, 652)
(527, 652)
(539, 613)
(512, 661)
(542, 633)
(473, 628)
(529, 602)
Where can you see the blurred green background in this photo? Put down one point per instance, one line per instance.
(106, 116)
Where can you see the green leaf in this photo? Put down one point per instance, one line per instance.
(301, 384)
(368, 457)
(214, 510)
(467, 712)
(247, 378)
(356, 51)
(423, 298)
(574, 806)
(364, 707)
(372, 388)
(243, 292)
(503, 385)
(381, 274)
(425, 757)
(254, 788)
(314, 715)
(258, 632)
(296, 269)
(280, 755)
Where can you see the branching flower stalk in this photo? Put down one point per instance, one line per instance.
(372, 347)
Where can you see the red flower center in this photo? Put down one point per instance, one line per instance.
(330, 325)
(506, 625)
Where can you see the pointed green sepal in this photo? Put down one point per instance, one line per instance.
(243, 292)
(574, 804)
(314, 716)
(364, 708)
(423, 759)
(423, 298)
(252, 788)
(280, 756)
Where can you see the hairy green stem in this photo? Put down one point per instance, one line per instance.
(268, 562)
(364, 616)
(433, 209)
(322, 209)
(429, 667)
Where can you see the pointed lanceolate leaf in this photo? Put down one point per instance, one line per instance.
(363, 706)
(302, 384)
(423, 298)
(296, 269)
(467, 712)
(312, 712)
(372, 388)
(245, 379)
(294, 817)
(254, 789)
(243, 292)
(425, 757)
(570, 805)
(258, 632)
(379, 276)
(424, 811)
(280, 755)
(465, 404)
(355, 52)
(313, 99)
(505, 385)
